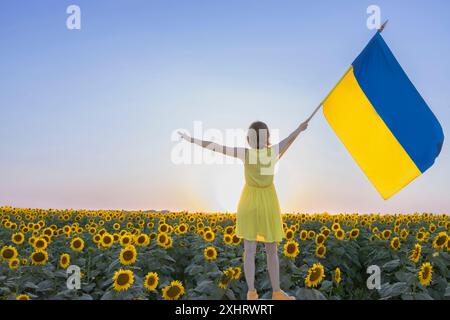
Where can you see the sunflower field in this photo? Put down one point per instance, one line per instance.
(181, 255)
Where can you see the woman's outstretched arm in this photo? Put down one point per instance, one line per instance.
(228, 151)
(286, 143)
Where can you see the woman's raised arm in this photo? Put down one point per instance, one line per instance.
(286, 143)
(228, 151)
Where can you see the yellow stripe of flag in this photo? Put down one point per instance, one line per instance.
(365, 135)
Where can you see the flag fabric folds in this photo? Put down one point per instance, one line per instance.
(383, 121)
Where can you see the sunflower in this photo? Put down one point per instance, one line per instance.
(236, 240)
(173, 291)
(320, 239)
(229, 230)
(227, 238)
(236, 273)
(354, 233)
(415, 254)
(47, 239)
(107, 240)
(116, 226)
(335, 226)
(315, 275)
(14, 263)
(337, 276)
(97, 238)
(142, 240)
(163, 228)
(40, 243)
(339, 234)
(116, 237)
(425, 274)
(153, 236)
(77, 244)
(321, 250)
(210, 253)
(226, 278)
(395, 243)
(125, 240)
(64, 260)
(23, 297)
(128, 255)
(31, 240)
(161, 239)
(169, 242)
(151, 281)
(18, 238)
(421, 236)
(303, 235)
(432, 228)
(8, 252)
(123, 279)
(440, 240)
(39, 257)
(326, 232)
(289, 234)
(209, 236)
(404, 234)
(386, 234)
(291, 249)
(183, 228)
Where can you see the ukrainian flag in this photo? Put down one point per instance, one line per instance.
(383, 121)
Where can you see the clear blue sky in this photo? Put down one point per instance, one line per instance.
(87, 116)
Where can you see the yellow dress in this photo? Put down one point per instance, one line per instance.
(258, 216)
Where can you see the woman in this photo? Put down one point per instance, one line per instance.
(258, 217)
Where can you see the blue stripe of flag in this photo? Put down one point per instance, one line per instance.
(398, 103)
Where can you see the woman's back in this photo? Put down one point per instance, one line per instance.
(259, 167)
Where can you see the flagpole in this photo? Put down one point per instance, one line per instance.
(321, 103)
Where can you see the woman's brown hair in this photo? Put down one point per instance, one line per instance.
(258, 135)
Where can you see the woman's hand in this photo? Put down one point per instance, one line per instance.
(185, 136)
(303, 126)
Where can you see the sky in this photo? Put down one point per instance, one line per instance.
(87, 116)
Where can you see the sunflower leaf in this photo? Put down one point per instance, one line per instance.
(85, 297)
(30, 285)
(422, 296)
(89, 287)
(45, 285)
(113, 265)
(230, 294)
(326, 285)
(309, 294)
(447, 291)
(206, 286)
(391, 265)
(107, 296)
(387, 290)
